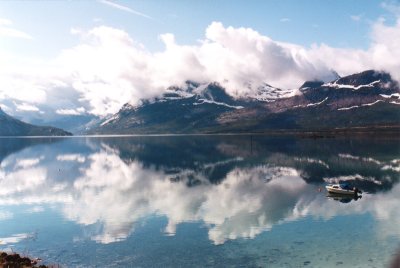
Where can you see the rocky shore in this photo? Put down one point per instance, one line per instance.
(14, 260)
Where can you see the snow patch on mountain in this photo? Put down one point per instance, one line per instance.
(181, 94)
(362, 105)
(267, 93)
(390, 96)
(311, 104)
(336, 85)
(109, 120)
(317, 103)
(372, 103)
(358, 158)
(311, 160)
(217, 103)
(201, 88)
(348, 108)
(352, 178)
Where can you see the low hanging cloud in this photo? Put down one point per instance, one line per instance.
(109, 68)
(77, 111)
(26, 107)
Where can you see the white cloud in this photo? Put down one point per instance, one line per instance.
(35, 209)
(124, 8)
(385, 49)
(356, 17)
(246, 202)
(381, 54)
(7, 31)
(26, 107)
(13, 239)
(27, 163)
(109, 68)
(5, 108)
(71, 157)
(393, 6)
(5, 215)
(5, 22)
(97, 20)
(285, 20)
(77, 111)
(22, 180)
(23, 80)
(10, 32)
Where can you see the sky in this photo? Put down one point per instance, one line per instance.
(91, 57)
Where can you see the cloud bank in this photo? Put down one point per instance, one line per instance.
(108, 68)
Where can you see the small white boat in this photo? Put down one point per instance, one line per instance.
(342, 189)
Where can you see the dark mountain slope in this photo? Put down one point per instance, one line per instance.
(367, 99)
(10, 126)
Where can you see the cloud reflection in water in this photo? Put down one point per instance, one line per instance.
(114, 195)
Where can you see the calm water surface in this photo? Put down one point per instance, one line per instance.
(199, 201)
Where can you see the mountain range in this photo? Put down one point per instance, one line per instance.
(10, 126)
(366, 100)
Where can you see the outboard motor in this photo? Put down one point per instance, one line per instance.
(357, 191)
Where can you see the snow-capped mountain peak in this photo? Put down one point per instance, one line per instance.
(336, 84)
(268, 93)
(350, 101)
(366, 79)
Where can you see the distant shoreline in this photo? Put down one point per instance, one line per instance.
(372, 131)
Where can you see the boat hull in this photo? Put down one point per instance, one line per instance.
(333, 190)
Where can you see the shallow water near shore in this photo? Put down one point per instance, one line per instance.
(205, 201)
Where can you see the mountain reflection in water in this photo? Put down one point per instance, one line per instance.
(238, 187)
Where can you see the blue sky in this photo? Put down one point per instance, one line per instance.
(338, 23)
(75, 57)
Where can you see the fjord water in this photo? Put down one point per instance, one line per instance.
(183, 201)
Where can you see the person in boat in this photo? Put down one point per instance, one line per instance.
(356, 191)
(346, 186)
